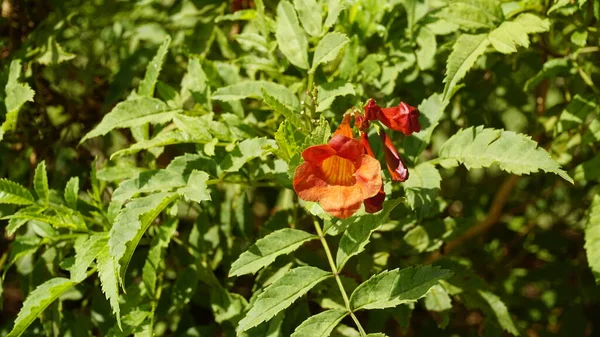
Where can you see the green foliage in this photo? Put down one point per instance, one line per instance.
(512, 152)
(147, 184)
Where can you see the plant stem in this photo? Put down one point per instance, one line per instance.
(337, 277)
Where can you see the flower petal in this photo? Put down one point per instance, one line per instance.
(397, 169)
(375, 204)
(372, 110)
(309, 183)
(342, 201)
(344, 129)
(318, 153)
(348, 148)
(365, 140)
(403, 118)
(368, 176)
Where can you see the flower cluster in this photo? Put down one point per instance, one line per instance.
(344, 173)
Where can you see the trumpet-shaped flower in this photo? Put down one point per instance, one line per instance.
(339, 175)
(403, 118)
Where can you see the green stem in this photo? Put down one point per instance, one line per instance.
(337, 277)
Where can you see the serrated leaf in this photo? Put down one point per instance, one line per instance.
(53, 53)
(552, 68)
(265, 250)
(72, 192)
(146, 88)
(292, 116)
(391, 288)
(512, 34)
(58, 221)
(38, 300)
(85, 255)
(281, 294)
(328, 48)
(309, 12)
(17, 94)
(133, 112)
(512, 152)
(422, 188)
(131, 223)
(153, 265)
(197, 127)
(244, 152)
(226, 306)
(13, 193)
(500, 310)
(358, 232)
(558, 5)
(592, 238)
(271, 328)
(162, 139)
(327, 92)
(532, 23)
(196, 189)
(437, 299)
(290, 37)
(320, 325)
(466, 50)
(108, 272)
(472, 14)
(196, 83)
(252, 89)
(40, 182)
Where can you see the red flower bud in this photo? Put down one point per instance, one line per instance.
(372, 110)
(397, 169)
(375, 204)
(403, 117)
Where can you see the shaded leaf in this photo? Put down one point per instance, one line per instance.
(153, 69)
(592, 238)
(107, 272)
(437, 299)
(244, 152)
(72, 192)
(359, 231)
(422, 188)
(265, 250)
(53, 53)
(40, 182)
(288, 113)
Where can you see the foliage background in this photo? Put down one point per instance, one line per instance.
(525, 250)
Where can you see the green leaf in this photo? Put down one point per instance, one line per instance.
(154, 261)
(500, 310)
(133, 112)
(244, 152)
(309, 12)
(13, 193)
(271, 328)
(579, 37)
(38, 300)
(196, 82)
(290, 115)
(72, 192)
(320, 325)
(241, 15)
(334, 8)
(558, 5)
(328, 48)
(437, 299)
(53, 53)
(588, 170)
(197, 127)
(253, 89)
(108, 272)
(290, 37)
(392, 288)
(40, 182)
(465, 52)
(85, 255)
(265, 250)
(16, 95)
(327, 92)
(592, 238)
(226, 306)
(472, 14)
(427, 48)
(512, 152)
(575, 113)
(359, 231)
(422, 188)
(281, 294)
(162, 139)
(552, 68)
(146, 88)
(131, 223)
(58, 221)
(196, 189)
(512, 34)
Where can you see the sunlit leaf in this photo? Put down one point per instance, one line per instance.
(466, 50)
(290, 37)
(13, 193)
(320, 325)
(592, 238)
